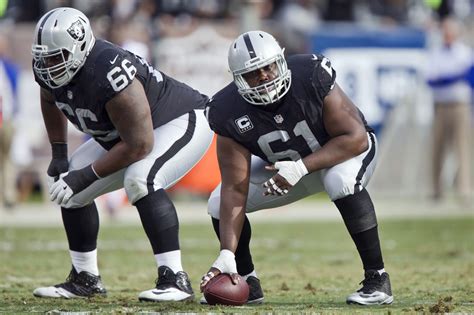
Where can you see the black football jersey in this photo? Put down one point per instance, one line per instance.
(288, 130)
(108, 70)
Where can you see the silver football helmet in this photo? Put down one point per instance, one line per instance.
(254, 50)
(63, 39)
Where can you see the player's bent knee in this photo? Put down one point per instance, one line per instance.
(135, 188)
(337, 185)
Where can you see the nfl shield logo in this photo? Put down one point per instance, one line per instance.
(69, 94)
(278, 118)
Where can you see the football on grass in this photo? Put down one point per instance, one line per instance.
(221, 290)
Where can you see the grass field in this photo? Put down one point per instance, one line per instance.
(304, 267)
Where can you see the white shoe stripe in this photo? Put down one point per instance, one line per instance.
(54, 292)
(170, 294)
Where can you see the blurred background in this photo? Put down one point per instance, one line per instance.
(407, 64)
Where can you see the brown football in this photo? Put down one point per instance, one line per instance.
(221, 290)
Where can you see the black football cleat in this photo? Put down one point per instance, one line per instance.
(255, 292)
(376, 290)
(77, 285)
(170, 287)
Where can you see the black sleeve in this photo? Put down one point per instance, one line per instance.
(211, 115)
(216, 119)
(114, 70)
(324, 76)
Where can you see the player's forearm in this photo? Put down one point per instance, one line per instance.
(119, 157)
(54, 120)
(55, 123)
(336, 151)
(232, 216)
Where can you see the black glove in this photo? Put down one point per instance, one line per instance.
(59, 163)
(80, 179)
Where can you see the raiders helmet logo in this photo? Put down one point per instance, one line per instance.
(76, 30)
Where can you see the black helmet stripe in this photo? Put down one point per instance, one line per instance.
(249, 45)
(40, 29)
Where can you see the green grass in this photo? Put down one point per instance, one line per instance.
(304, 267)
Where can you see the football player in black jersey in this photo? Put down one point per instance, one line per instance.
(148, 130)
(286, 130)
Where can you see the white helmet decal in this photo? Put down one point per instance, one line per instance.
(77, 30)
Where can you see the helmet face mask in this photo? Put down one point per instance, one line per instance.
(63, 39)
(256, 50)
(52, 67)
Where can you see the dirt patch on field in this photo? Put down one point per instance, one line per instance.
(443, 306)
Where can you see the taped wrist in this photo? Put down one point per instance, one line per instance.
(301, 168)
(81, 179)
(291, 171)
(226, 254)
(59, 150)
(226, 262)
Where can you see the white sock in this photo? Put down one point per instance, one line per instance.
(171, 259)
(381, 271)
(253, 273)
(85, 261)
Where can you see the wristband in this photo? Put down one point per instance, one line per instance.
(302, 168)
(80, 179)
(93, 169)
(59, 150)
(226, 262)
